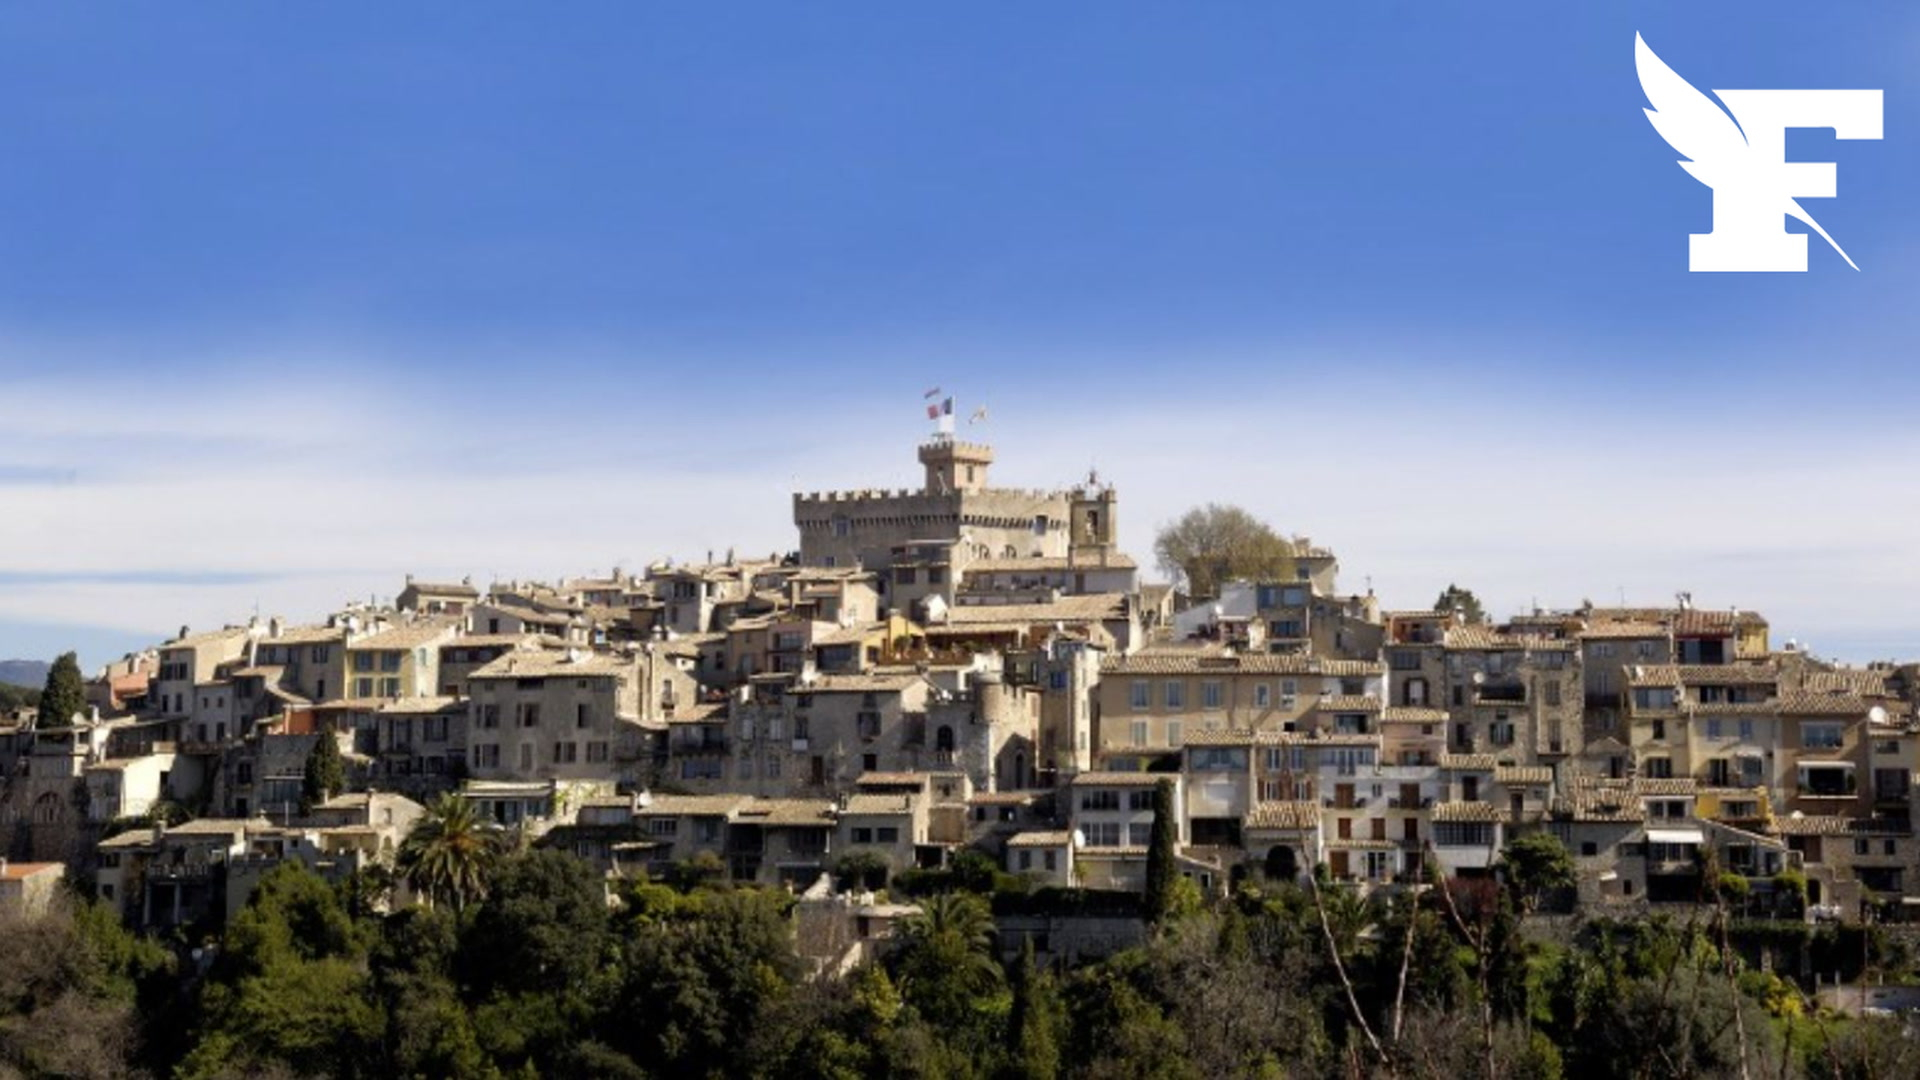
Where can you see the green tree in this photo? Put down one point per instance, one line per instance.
(326, 774)
(65, 694)
(1161, 867)
(1536, 864)
(449, 853)
(542, 930)
(290, 987)
(1035, 1026)
(945, 961)
(1461, 601)
(1213, 544)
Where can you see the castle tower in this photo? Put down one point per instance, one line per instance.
(1094, 529)
(955, 466)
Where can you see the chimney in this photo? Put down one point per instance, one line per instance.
(183, 630)
(274, 626)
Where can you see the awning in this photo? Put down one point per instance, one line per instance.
(1675, 836)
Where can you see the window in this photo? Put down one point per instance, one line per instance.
(862, 835)
(529, 714)
(1174, 732)
(486, 756)
(1289, 688)
(363, 688)
(773, 766)
(526, 755)
(1099, 800)
(887, 834)
(490, 716)
(1589, 848)
(1644, 650)
(1140, 835)
(1823, 736)
(1210, 694)
(1713, 728)
(1175, 694)
(596, 751)
(663, 826)
(1137, 694)
(1139, 732)
(1262, 696)
(1603, 650)
(1102, 833)
(1139, 800)
(565, 753)
(746, 768)
(1553, 692)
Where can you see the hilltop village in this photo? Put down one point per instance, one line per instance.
(965, 667)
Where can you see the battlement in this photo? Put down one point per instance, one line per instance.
(947, 448)
(870, 496)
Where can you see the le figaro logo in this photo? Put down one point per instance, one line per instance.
(1743, 158)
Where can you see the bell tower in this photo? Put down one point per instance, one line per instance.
(1094, 528)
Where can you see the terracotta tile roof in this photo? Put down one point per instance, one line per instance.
(1808, 703)
(1624, 629)
(1348, 703)
(1196, 662)
(1862, 681)
(1284, 815)
(1412, 714)
(1470, 812)
(1705, 674)
(788, 812)
(864, 803)
(1602, 801)
(1040, 839)
(690, 805)
(1120, 779)
(206, 637)
(1469, 762)
(1812, 825)
(1485, 637)
(529, 664)
(444, 588)
(1084, 608)
(307, 635)
(1522, 775)
(1665, 785)
(405, 637)
(891, 779)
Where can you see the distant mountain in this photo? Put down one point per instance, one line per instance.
(29, 673)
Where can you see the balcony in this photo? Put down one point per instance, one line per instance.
(710, 744)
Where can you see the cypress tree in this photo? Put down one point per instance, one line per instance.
(65, 693)
(1161, 870)
(325, 776)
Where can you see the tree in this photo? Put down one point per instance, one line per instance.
(1161, 869)
(449, 853)
(65, 694)
(542, 929)
(1034, 1029)
(945, 961)
(326, 775)
(1460, 601)
(1536, 864)
(1213, 544)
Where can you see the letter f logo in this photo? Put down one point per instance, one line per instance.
(1743, 158)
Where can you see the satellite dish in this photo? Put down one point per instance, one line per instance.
(1479, 677)
(1877, 715)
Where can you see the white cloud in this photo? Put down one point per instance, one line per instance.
(330, 481)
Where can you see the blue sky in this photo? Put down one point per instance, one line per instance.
(292, 301)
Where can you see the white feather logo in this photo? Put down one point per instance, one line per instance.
(1696, 126)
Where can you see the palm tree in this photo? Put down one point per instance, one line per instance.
(449, 853)
(946, 959)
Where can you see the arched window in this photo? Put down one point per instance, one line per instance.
(1009, 553)
(943, 739)
(46, 809)
(1040, 525)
